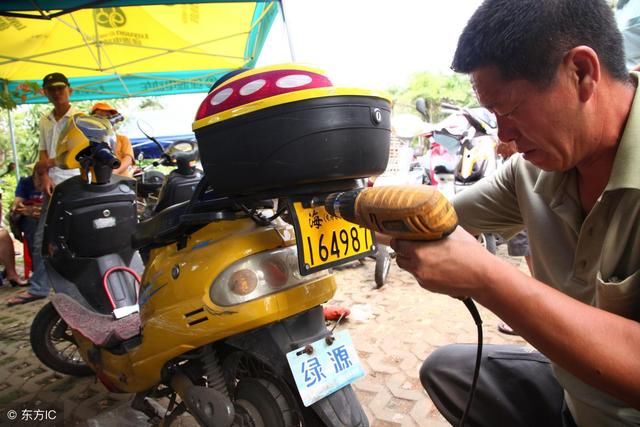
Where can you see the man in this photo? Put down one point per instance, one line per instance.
(122, 149)
(553, 72)
(58, 91)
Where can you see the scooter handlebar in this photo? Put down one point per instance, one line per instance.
(402, 212)
(105, 156)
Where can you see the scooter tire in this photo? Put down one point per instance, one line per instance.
(265, 403)
(383, 265)
(43, 346)
(488, 240)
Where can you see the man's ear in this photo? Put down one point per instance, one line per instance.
(70, 90)
(584, 65)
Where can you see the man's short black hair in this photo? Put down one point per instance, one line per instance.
(528, 38)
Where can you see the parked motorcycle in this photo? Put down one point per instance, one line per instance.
(462, 151)
(50, 336)
(157, 191)
(225, 317)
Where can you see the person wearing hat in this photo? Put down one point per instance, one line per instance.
(123, 149)
(55, 86)
(58, 91)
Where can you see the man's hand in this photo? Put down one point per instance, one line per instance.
(46, 185)
(454, 265)
(41, 180)
(19, 208)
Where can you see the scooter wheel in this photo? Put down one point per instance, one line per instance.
(488, 241)
(263, 402)
(54, 345)
(383, 265)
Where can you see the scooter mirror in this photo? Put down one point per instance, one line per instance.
(421, 106)
(145, 128)
(446, 106)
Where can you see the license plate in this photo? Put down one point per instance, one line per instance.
(326, 368)
(326, 241)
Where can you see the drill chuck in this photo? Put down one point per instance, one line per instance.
(343, 204)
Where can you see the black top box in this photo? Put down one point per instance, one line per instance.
(305, 136)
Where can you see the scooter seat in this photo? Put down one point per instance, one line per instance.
(101, 329)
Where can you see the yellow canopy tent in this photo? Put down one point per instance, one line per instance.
(127, 48)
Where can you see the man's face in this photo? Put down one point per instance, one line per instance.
(58, 95)
(543, 123)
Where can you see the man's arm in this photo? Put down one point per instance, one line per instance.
(42, 170)
(125, 155)
(491, 205)
(598, 347)
(125, 162)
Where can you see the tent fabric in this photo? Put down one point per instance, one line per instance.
(128, 51)
(56, 7)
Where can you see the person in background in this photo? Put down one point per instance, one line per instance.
(25, 212)
(11, 167)
(8, 260)
(8, 257)
(122, 149)
(58, 91)
(553, 72)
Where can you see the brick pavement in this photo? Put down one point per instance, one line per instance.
(394, 329)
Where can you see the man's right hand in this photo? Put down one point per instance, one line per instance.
(46, 185)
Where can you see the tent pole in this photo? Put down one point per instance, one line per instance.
(13, 145)
(286, 30)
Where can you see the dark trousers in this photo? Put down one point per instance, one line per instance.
(516, 387)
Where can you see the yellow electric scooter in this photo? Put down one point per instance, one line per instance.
(225, 317)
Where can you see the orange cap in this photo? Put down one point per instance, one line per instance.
(104, 107)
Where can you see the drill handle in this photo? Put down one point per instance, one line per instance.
(406, 212)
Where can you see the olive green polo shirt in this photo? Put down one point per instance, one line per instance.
(595, 259)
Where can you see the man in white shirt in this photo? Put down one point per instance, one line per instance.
(56, 88)
(58, 91)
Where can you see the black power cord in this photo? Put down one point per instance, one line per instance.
(468, 302)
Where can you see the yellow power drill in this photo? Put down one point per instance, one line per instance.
(402, 212)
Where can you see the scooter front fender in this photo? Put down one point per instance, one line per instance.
(271, 344)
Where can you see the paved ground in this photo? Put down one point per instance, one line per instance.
(394, 329)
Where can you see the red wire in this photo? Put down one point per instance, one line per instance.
(119, 268)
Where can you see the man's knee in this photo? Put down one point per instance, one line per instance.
(444, 363)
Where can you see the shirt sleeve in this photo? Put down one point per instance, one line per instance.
(491, 205)
(21, 189)
(42, 146)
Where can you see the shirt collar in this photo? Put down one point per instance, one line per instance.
(72, 110)
(625, 166)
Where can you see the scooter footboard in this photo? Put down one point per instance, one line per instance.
(271, 344)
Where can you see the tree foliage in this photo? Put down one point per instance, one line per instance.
(435, 89)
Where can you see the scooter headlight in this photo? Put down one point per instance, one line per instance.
(259, 275)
